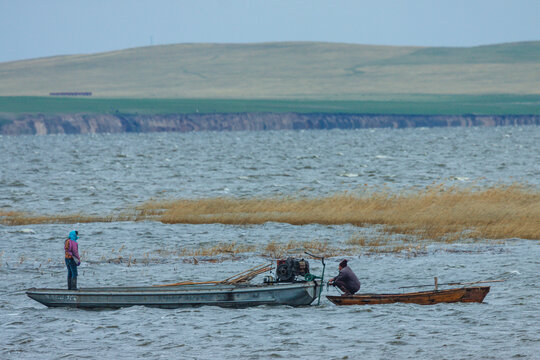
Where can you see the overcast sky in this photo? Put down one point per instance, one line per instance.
(39, 28)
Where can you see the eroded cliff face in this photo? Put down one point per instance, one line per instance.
(120, 123)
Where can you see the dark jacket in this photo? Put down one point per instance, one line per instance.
(348, 279)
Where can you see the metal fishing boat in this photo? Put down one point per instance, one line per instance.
(225, 295)
(231, 292)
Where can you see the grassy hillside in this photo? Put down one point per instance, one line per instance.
(283, 71)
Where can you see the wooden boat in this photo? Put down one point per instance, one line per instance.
(463, 294)
(224, 295)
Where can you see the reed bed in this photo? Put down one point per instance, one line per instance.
(437, 212)
(293, 248)
(15, 218)
(276, 250)
(219, 249)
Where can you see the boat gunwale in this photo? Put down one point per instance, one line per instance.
(177, 290)
(408, 294)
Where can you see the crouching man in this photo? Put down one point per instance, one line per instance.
(346, 281)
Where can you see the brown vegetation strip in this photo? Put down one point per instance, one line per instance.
(15, 218)
(436, 212)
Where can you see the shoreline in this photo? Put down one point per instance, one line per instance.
(80, 123)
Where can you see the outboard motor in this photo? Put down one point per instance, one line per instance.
(288, 270)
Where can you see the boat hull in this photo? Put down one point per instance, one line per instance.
(293, 294)
(469, 294)
(475, 294)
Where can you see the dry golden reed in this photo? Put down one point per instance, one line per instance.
(436, 212)
(218, 249)
(277, 250)
(280, 250)
(14, 218)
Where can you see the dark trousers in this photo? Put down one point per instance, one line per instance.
(343, 287)
(72, 268)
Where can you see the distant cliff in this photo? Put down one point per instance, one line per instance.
(120, 123)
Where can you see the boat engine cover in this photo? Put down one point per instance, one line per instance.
(288, 270)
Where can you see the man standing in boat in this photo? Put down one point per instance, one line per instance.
(71, 249)
(346, 281)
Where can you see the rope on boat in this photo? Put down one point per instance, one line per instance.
(313, 277)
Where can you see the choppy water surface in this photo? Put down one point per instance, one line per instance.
(106, 173)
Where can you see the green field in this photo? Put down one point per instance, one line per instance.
(284, 71)
(409, 104)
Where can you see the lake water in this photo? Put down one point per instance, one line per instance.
(102, 174)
